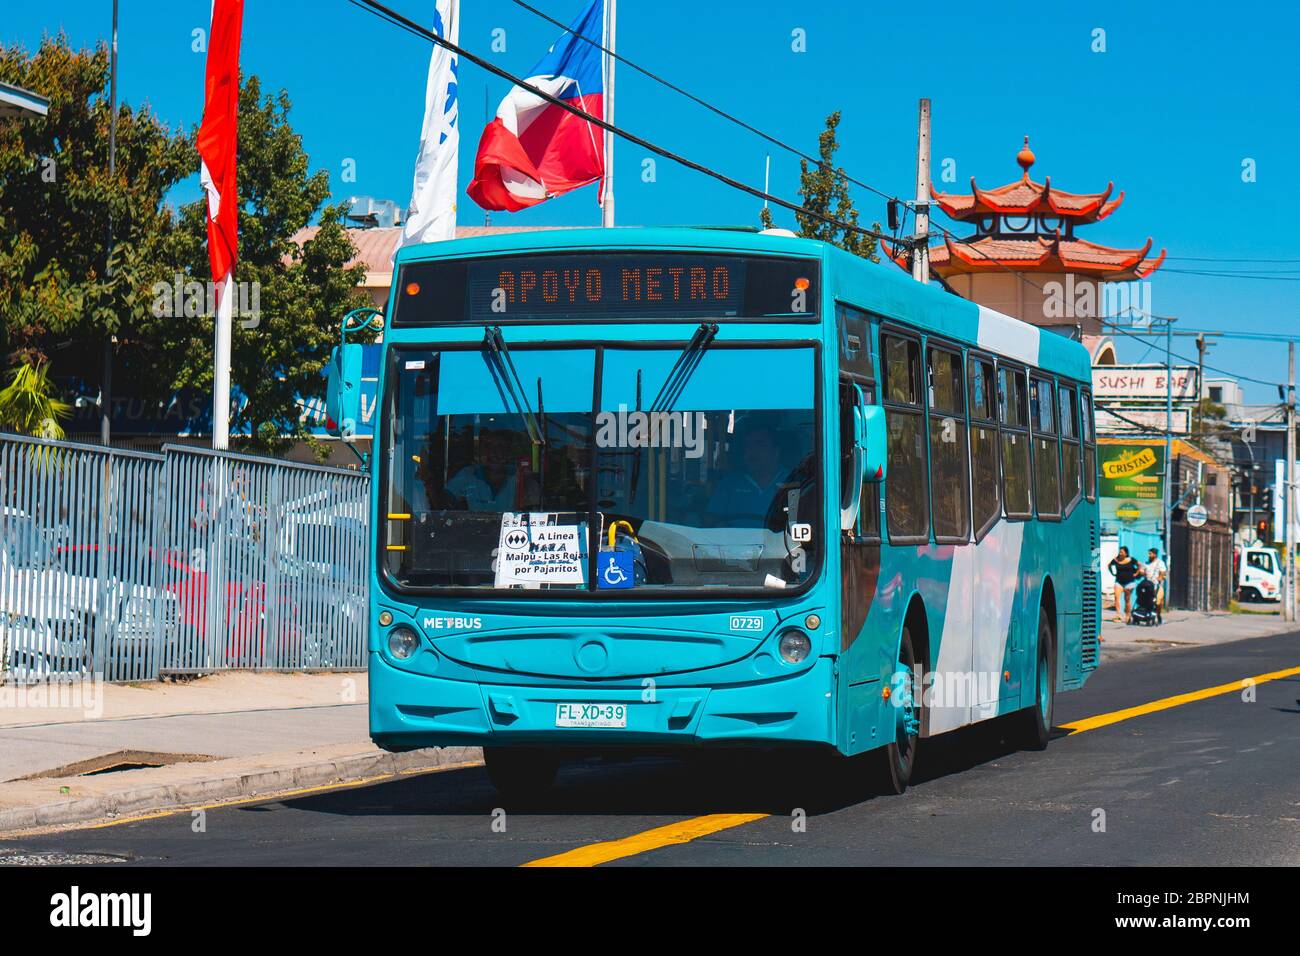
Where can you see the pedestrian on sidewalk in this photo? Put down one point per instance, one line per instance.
(1126, 572)
(1157, 571)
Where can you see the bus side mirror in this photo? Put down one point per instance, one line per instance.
(343, 392)
(872, 440)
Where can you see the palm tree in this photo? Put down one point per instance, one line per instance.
(28, 405)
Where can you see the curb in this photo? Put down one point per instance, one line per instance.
(230, 786)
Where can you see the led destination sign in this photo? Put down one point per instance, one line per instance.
(581, 287)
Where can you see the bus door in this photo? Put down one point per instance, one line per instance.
(859, 504)
(997, 548)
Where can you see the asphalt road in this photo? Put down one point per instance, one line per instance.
(1213, 781)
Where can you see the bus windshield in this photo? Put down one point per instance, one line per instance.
(620, 468)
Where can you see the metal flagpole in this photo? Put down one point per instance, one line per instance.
(607, 201)
(221, 365)
(106, 386)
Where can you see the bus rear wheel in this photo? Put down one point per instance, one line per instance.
(897, 760)
(520, 773)
(1036, 721)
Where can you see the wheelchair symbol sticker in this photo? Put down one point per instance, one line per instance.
(614, 569)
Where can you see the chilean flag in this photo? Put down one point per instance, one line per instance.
(218, 136)
(534, 150)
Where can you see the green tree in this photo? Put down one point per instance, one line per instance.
(28, 404)
(62, 287)
(824, 189)
(302, 291)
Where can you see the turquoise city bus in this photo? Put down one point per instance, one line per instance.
(680, 488)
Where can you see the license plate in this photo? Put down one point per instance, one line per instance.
(591, 715)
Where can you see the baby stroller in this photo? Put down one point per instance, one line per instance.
(1145, 610)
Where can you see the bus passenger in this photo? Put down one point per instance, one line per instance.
(743, 497)
(491, 483)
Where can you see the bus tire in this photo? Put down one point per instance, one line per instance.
(1036, 720)
(520, 772)
(896, 761)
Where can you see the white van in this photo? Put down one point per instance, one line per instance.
(1258, 576)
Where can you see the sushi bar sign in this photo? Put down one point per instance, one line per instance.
(1144, 382)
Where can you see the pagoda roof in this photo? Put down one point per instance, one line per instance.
(1028, 198)
(1038, 254)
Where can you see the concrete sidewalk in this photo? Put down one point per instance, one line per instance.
(45, 727)
(220, 738)
(1185, 629)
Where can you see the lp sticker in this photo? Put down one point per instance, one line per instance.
(801, 532)
(614, 569)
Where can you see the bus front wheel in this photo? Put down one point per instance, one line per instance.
(897, 760)
(520, 772)
(1036, 720)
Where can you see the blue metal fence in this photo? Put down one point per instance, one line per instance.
(130, 565)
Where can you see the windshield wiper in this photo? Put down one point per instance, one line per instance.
(684, 367)
(495, 343)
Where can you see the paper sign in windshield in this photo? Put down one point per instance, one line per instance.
(535, 550)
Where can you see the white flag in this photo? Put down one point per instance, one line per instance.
(431, 215)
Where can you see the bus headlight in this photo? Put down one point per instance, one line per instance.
(794, 646)
(402, 642)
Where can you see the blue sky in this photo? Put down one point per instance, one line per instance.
(1181, 96)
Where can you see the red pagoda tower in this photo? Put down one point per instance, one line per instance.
(1028, 228)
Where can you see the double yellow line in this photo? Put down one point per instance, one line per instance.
(688, 830)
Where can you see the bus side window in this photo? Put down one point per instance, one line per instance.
(1070, 463)
(906, 508)
(1089, 446)
(1047, 477)
(1013, 415)
(984, 446)
(949, 481)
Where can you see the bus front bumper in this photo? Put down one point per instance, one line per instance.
(410, 710)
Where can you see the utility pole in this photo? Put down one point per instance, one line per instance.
(1288, 507)
(1169, 437)
(1200, 378)
(106, 383)
(921, 248)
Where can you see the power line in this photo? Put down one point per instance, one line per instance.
(1191, 361)
(706, 104)
(410, 26)
(396, 19)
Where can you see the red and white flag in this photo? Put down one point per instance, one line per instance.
(218, 136)
(533, 149)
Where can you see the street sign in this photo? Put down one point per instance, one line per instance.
(1197, 515)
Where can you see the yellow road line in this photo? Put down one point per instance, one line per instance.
(1114, 717)
(674, 833)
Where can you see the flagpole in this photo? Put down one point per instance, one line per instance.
(607, 201)
(221, 366)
